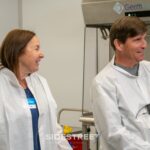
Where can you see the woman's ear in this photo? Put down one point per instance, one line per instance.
(118, 45)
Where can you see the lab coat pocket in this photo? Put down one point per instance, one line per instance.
(143, 117)
(144, 122)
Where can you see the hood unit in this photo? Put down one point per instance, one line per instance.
(105, 12)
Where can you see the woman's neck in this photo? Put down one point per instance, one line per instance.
(23, 83)
(21, 79)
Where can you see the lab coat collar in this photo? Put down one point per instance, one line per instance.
(12, 77)
(122, 70)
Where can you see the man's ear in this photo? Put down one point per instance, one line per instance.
(118, 45)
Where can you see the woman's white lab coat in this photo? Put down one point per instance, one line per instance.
(119, 107)
(15, 116)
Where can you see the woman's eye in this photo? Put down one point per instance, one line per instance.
(37, 48)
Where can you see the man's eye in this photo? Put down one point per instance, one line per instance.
(138, 39)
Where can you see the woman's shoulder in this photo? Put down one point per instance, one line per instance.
(3, 72)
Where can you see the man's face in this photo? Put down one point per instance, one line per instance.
(133, 48)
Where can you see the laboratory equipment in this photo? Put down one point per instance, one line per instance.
(73, 134)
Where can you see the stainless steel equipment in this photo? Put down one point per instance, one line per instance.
(104, 12)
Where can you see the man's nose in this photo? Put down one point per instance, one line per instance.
(144, 44)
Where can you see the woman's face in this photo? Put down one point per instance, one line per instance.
(29, 60)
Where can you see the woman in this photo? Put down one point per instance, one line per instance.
(27, 108)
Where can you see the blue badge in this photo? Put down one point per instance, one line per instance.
(32, 103)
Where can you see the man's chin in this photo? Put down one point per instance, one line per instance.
(141, 58)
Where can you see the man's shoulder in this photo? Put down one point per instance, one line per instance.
(106, 74)
(145, 64)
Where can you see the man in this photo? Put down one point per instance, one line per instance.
(121, 91)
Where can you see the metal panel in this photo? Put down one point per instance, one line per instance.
(100, 12)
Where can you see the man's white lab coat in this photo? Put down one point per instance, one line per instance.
(15, 116)
(119, 107)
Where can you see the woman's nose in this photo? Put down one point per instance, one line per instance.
(41, 54)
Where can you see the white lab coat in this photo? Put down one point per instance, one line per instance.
(119, 100)
(15, 116)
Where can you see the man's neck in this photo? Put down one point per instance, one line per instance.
(125, 62)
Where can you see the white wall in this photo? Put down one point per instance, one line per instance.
(8, 16)
(59, 25)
